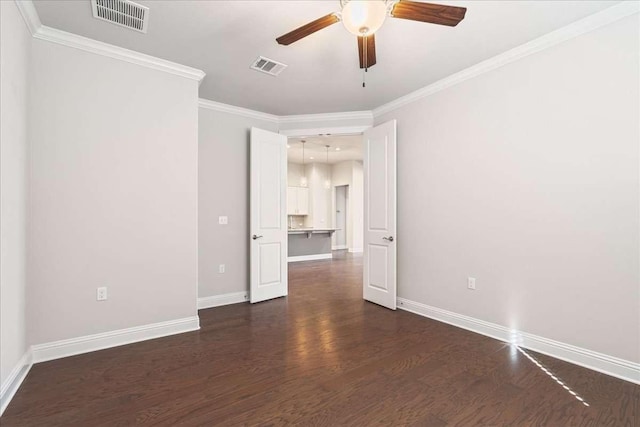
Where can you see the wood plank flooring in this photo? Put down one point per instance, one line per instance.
(320, 357)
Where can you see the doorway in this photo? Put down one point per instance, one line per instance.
(341, 203)
(370, 181)
(325, 196)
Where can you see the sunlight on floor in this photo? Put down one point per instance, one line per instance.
(555, 378)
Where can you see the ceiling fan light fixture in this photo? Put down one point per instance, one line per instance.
(363, 17)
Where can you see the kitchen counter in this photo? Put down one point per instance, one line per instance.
(311, 230)
(306, 244)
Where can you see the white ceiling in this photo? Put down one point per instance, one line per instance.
(223, 38)
(341, 148)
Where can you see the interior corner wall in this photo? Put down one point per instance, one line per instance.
(224, 191)
(15, 52)
(527, 178)
(114, 194)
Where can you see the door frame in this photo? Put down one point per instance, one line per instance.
(334, 131)
(334, 206)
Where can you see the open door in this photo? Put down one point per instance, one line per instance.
(268, 216)
(379, 284)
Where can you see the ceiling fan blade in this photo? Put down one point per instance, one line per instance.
(308, 29)
(429, 12)
(371, 51)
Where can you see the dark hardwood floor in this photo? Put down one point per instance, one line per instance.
(320, 357)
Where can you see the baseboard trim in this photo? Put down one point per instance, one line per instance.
(11, 385)
(609, 365)
(309, 257)
(71, 347)
(224, 299)
(356, 250)
(339, 247)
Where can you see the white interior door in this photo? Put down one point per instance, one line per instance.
(379, 284)
(268, 188)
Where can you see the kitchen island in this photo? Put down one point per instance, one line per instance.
(307, 244)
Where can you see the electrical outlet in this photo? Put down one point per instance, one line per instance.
(471, 283)
(223, 220)
(221, 268)
(101, 293)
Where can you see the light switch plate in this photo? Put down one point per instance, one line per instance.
(223, 220)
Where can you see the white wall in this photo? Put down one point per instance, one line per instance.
(224, 190)
(342, 174)
(350, 173)
(15, 50)
(527, 178)
(357, 207)
(114, 189)
(319, 195)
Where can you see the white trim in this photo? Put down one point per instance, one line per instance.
(616, 367)
(89, 343)
(356, 250)
(339, 247)
(303, 118)
(259, 115)
(14, 380)
(224, 299)
(232, 109)
(29, 14)
(338, 130)
(42, 32)
(309, 257)
(93, 46)
(322, 117)
(590, 23)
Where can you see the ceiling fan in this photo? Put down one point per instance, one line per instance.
(364, 17)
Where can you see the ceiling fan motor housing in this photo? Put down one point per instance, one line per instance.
(363, 17)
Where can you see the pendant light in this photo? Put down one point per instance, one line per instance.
(303, 178)
(327, 182)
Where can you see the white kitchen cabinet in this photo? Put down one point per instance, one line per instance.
(292, 200)
(303, 201)
(297, 201)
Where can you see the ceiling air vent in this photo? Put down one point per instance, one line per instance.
(268, 66)
(122, 12)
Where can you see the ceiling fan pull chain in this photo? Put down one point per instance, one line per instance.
(364, 55)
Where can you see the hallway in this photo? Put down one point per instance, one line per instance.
(321, 356)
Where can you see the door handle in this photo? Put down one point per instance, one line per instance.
(390, 238)
(256, 237)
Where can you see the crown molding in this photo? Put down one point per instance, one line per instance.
(302, 118)
(29, 14)
(334, 130)
(585, 25)
(323, 117)
(104, 49)
(232, 109)
(590, 23)
(42, 32)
